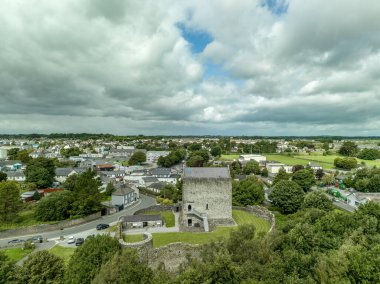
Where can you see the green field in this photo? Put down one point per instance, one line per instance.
(64, 252)
(327, 162)
(229, 157)
(15, 254)
(25, 218)
(241, 217)
(167, 216)
(133, 238)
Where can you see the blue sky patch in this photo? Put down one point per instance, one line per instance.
(277, 7)
(198, 39)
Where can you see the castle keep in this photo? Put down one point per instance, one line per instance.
(206, 197)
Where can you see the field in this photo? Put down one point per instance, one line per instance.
(64, 252)
(241, 217)
(15, 254)
(327, 162)
(25, 219)
(229, 157)
(167, 216)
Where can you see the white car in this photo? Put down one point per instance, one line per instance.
(71, 240)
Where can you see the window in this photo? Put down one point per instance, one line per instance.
(206, 206)
(189, 222)
(189, 207)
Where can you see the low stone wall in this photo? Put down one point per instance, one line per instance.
(155, 208)
(39, 229)
(172, 255)
(261, 212)
(146, 243)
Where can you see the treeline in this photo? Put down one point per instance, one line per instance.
(172, 159)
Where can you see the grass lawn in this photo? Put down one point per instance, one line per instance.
(15, 254)
(133, 238)
(229, 157)
(241, 217)
(26, 218)
(167, 216)
(64, 252)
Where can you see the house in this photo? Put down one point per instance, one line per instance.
(156, 186)
(105, 167)
(10, 165)
(355, 198)
(152, 156)
(18, 176)
(314, 167)
(273, 168)
(61, 174)
(123, 196)
(206, 197)
(161, 172)
(29, 195)
(141, 221)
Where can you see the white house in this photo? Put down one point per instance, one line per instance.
(123, 196)
(16, 176)
(356, 198)
(252, 157)
(273, 168)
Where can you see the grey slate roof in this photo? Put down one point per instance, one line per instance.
(142, 218)
(161, 171)
(206, 173)
(122, 190)
(15, 174)
(63, 171)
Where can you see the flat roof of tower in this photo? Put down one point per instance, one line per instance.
(206, 173)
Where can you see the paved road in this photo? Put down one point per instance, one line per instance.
(86, 229)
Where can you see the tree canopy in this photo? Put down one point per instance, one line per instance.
(138, 157)
(287, 196)
(55, 207)
(304, 178)
(249, 191)
(40, 171)
(10, 201)
(348, 148)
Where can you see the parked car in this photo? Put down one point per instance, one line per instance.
(16, 241)
(71, 240)
(35, 239)
(102, 226)
(79, 241)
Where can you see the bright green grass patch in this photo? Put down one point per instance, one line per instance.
(133, 238)
(229, 157)
(241, 217)
(15, 254)
(167, 216)
(63, 252)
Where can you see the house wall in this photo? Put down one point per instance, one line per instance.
(117, 200)
(200, 193)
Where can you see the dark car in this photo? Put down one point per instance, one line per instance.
(16, 241)
(35, 239)
(102, 226)
(79, 241)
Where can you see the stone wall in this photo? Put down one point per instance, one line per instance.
(146, 243)
(38, 229)
(172, 255)
(261, 212)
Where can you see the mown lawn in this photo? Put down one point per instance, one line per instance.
(64, 252)
(15, 254)
(229, 157)
(133, 238)
(241, 217)
(167, 216)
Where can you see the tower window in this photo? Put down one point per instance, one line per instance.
(206, 206)
(189, 207)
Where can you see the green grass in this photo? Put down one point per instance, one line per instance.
(64, 252)
(241, 217)
(229, 157)
(15, 254)
(25, 218)
(133, 238)
(167, 216)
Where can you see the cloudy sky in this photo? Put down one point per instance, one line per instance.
(228, 67)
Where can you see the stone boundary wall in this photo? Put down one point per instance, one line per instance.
(261, 212)
(155, 208)
(38, 229)
(146, 243)
(172, 255)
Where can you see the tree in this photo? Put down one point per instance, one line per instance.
(235, 168)
(319, 200)
(216, 151)
(138, 157)
(345, 163)
(7, 269)
(110, 188)
(75, 151)
(252, 167)
(281, 175)
(125, 267)
(55, 207)
(249, 191)
(374, 184)
(173, 158)
(369, 154)
(264, 173)
(3, 176)
(10, 202)
(287, 196)
(40, 171)
(12, 153)
(326, 146)
(297, 168)
(348, 149)
(42, 267)
(171, 192)
(195, 161)
(304, 178)
(87, 260)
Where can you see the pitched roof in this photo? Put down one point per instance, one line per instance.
(206, 173)
(63, 171)
(122, 190)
